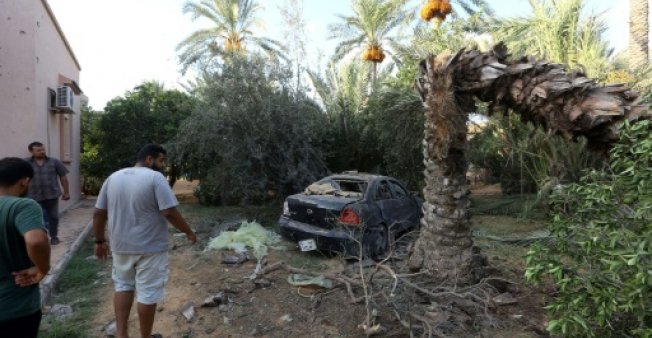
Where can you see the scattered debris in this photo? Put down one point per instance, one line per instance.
(233, 259)
(110, 328)
(372, 330)
(188, 311)
(285, 319)
(215, 300)
(250, 234)
(303, 280)
(365, 263)
(262, 283)
(505, 299)
(60, 311)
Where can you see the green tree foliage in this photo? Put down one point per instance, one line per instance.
(230, 31)
(451, 35)
(397, 118)
(601, 258)
(524, 158)
(251, 138)
(147, 114)
(348, 139)
(559, 31)
(89, 149)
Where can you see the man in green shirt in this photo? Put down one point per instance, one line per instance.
(24, 252)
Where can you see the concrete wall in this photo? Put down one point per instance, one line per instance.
(17, 77)
(34, 56)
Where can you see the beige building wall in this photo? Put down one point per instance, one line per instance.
(36, 58)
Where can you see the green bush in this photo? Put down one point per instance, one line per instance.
(602, 257)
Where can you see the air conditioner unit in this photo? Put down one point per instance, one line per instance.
(65, 98)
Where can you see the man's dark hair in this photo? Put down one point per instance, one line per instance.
(34, 144)
(13, 169)
(152, 150)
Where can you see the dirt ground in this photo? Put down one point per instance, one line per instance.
(277, 309)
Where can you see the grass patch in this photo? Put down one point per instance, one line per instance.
(508, 205)
(498, 225)
(78, 287)
(506, 256)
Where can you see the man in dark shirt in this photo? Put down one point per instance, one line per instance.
(44, 188)
(24, 252)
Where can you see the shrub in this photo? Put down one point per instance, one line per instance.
(601, 259)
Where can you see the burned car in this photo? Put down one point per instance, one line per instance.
(349, 212)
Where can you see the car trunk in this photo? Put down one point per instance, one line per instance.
(318, 210)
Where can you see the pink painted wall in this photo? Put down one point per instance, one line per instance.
(34, 57)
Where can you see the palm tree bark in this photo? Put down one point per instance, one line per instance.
(638, 33)
(544, 93)
(445, 244)
(541, 92)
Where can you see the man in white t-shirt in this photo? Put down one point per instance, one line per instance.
(137, 202)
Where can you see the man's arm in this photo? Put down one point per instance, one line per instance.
(99, 225)
(66, 190)
(174, 217)
(38, 250)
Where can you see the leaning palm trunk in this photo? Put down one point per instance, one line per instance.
(541, 92)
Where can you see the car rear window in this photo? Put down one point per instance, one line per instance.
(338, 187)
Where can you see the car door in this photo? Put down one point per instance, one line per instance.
(408, 208)
(390, 207)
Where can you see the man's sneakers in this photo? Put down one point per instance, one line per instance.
(54, 241)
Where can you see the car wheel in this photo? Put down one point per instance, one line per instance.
(376, 242)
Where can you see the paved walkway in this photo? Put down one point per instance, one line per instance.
(74, 226)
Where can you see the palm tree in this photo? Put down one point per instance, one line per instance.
(638, 33)
(559, 31)
(342, 92)
(539, 91)
(460, 32)
(369, 29)
(230, 33)
(341, 84)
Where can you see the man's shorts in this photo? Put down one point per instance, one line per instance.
(146, 274)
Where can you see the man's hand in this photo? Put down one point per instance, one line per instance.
(28, 277)
(102, 251)
(191, 237)
(65, 196)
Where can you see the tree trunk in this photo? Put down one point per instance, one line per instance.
(638, 33)
(444, 246)
(173, 175)
(374, 76)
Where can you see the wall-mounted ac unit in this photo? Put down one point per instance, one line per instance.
(65, 98)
